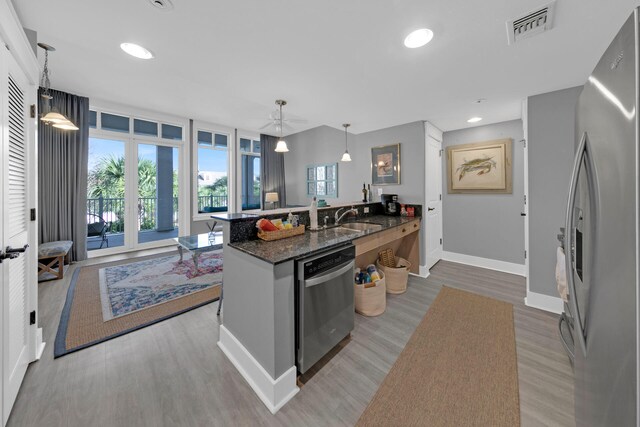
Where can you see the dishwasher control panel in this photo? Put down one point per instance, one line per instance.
(322, 263)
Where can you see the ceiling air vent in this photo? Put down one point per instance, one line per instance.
(162, 4)
(533, 23)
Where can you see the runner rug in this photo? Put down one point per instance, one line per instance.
(105, 301)
(459, 368)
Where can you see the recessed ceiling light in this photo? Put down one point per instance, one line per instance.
(136, 50)
(418, 38)
(474, 119)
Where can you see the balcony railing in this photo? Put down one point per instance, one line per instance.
(112, 210)
(212, 203)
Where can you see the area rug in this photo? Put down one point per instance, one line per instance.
(105, 301)
(459, 368)
(138, 285)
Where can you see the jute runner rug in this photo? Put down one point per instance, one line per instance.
(105, 301)
(458, 369)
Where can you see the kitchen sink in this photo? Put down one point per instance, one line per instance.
(361, 226)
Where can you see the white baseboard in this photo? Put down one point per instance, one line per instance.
(274, 393)
(38, 345)
(544, 302)
(423, 272)
(491, 264)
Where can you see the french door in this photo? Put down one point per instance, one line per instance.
(133, 194)
(158, 193)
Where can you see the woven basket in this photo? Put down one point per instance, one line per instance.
(396, 278)
(280, 234)
(387, 258)
(371, 301)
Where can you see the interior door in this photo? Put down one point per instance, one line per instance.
(15, 232)
(433, 186)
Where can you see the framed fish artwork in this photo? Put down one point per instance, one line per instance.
(483, 167)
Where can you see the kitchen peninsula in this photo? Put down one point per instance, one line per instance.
(258, 329)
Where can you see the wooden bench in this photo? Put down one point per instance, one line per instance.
(56, 252)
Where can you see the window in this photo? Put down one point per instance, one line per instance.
(213, 185)
(171, 132)
(322, 180)
(146, 157)
(250, 172)
(115, 123)
(122, 124)
(93, 119)
(144, 127)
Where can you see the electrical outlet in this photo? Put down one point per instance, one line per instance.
(366, 209)
(379, 191)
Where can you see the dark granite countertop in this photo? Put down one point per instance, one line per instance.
(283, 250)
(234, 216)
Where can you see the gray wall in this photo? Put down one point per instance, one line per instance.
(322, 144)
(551, 118)
(325, 144)
(486, 225)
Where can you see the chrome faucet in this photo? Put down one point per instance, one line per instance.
(339, 217)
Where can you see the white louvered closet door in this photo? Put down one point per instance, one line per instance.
(15, 233)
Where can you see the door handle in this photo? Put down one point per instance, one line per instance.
(11, 250)
(523, 214)
(563, 319)
(12, 253)
(431, 209)
(4, 255)
(332, 274)
(569, 245)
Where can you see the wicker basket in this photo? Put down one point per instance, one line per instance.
(281, 234)
(396, 278)
(371, 301)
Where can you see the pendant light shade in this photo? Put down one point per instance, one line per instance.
(52, 116)
(66, 125)
(281, 147)
(346, 157)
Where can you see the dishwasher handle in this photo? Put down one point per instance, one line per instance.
(331, 274)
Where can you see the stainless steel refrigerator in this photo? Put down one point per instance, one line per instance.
(601, 238)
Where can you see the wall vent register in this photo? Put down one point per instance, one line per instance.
(531, 24)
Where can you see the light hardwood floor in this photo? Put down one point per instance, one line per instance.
(173, 374)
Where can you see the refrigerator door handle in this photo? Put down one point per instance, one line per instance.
(569, 242)
(567, 348)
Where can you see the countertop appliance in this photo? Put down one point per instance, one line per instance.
(601, 238)
(324, 303)
(390, 203)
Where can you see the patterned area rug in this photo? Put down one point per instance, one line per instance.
(130, 287)
(136, 294)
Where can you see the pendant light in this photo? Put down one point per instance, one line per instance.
(52, 116)
(281, 147)
(346, 157)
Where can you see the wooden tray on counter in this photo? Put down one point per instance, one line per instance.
(280, 234)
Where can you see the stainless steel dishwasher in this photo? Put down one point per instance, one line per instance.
(325, 307)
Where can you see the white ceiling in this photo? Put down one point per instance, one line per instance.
(334, 61)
